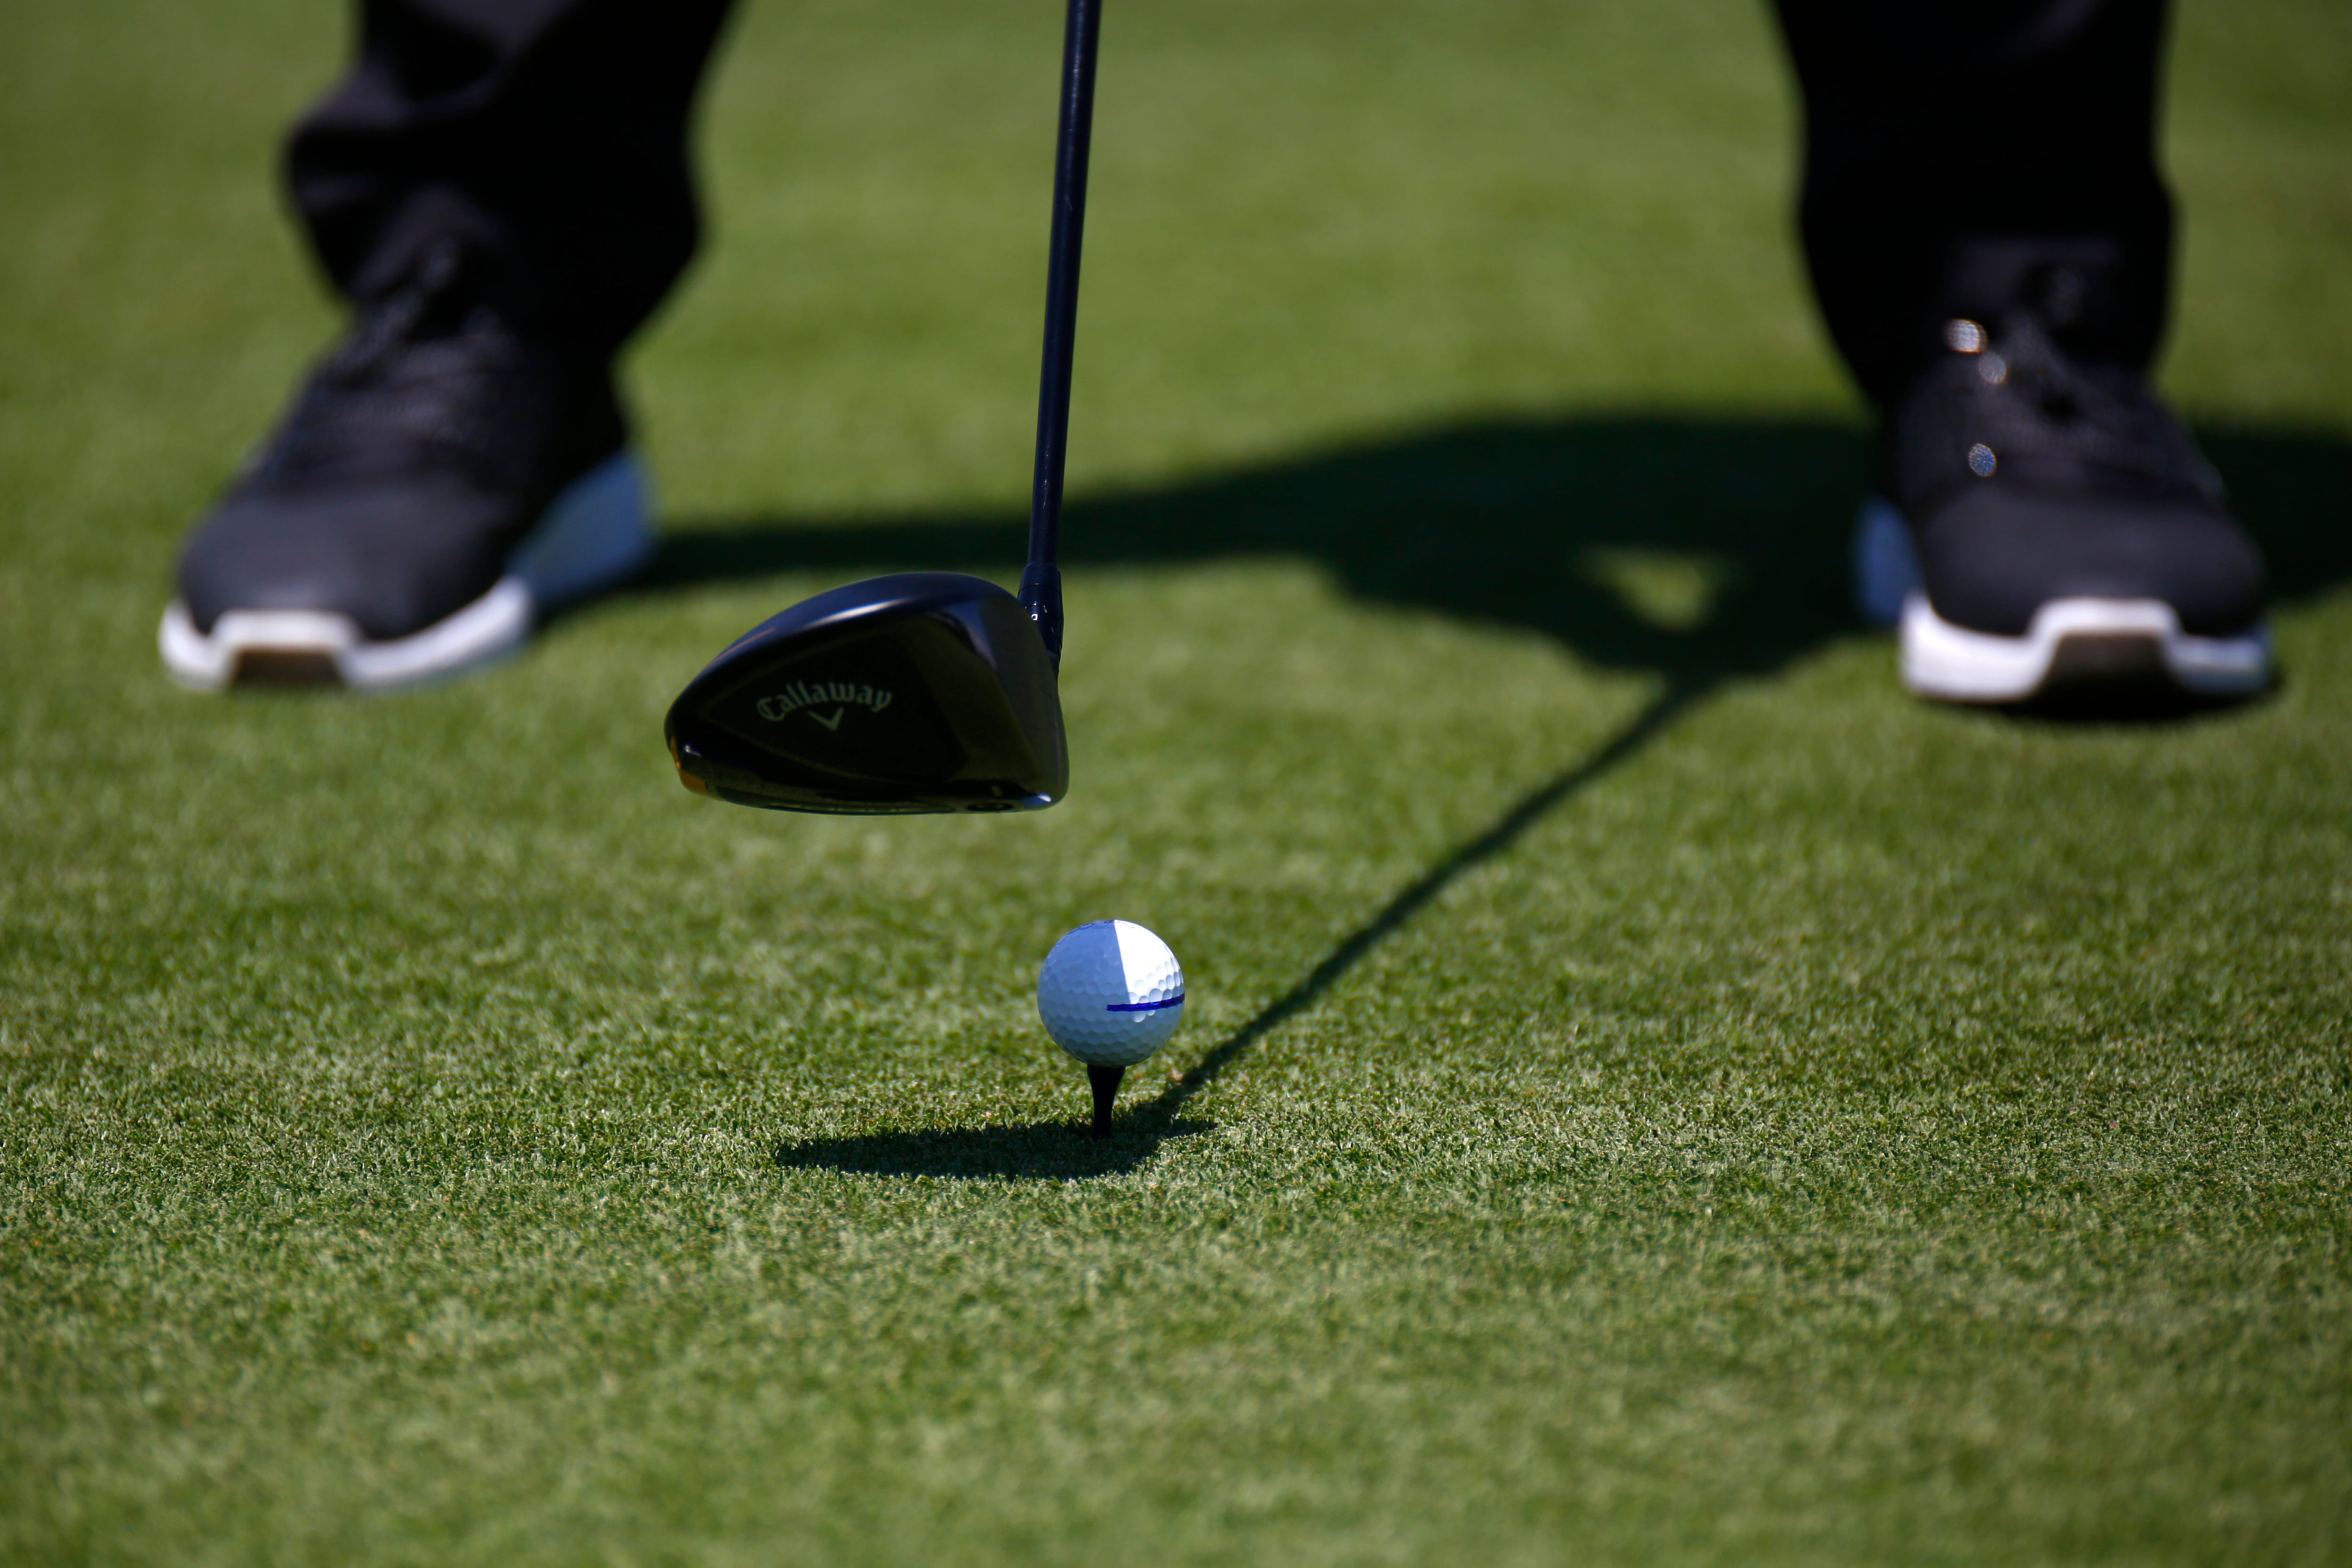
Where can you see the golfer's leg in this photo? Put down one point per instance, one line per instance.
(547, 134)
(1991, 245)
(1933, 127)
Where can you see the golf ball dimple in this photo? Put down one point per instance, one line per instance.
(1110, 994)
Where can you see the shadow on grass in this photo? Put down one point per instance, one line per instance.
(1041, 1150)
(1551, 527)
(1697, 551)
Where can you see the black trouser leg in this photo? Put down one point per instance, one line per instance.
(1958, 155)
(548, 135)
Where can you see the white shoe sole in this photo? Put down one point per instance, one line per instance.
(2072, 643)
(2077, 643)
(598, 533)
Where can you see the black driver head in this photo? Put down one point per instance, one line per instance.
(924, 691)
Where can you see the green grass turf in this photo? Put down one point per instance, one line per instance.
(1654, 1093)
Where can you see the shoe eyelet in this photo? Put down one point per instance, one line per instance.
(1992, 370)
(1963, 336)
(1982, 460)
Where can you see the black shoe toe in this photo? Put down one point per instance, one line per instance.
(394, 558)
(1996, 553)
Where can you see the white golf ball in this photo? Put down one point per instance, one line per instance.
(1110, 994)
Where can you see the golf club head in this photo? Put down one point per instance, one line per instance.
(923, 692)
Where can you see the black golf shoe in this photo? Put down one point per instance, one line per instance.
(441, 482)
(2048, 530)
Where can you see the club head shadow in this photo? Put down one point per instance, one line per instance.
(922, 692)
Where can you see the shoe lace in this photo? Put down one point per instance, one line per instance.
(2038, 410)
(426, 379)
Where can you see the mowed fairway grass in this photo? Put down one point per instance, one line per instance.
(1650, 1091)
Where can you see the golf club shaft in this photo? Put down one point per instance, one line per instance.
(1041, 584)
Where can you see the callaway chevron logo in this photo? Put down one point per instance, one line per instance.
(803, 694)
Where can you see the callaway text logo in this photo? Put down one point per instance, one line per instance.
(800, 694)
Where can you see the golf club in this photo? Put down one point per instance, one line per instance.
(924, 690)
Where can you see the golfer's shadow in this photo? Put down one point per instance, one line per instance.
(1687, 547)
(1697, 550)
